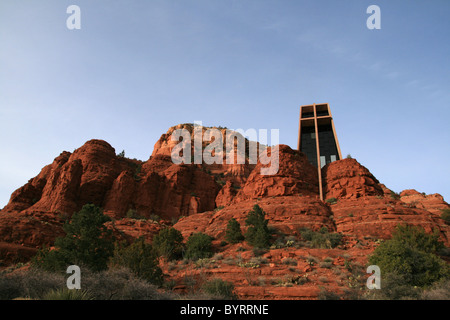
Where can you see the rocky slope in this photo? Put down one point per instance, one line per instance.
(203, 198)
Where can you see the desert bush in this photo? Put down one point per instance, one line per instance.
(220, 289)
(198, 246)
(154, 217)
(259, 260)
(140, 259)
(111, 284)
(218, 256)
(119, 284)
(204, 263)
(446, 215)
(321, 239)
(218, 208)
(10, 288)
(132, 214)
(249, 264)
(325, 294)
(439, 291)
(31, 284)
(326, 264)
(289, 261)
(229, 260)
(258, 251)
(394, 286)
(168, 243)
(312, 260)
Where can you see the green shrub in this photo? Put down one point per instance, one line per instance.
(111, 284)
(233, 233)
(132, 214)
(140, 259)
(325, 294)
(439, 291)
(394, 287)
(198, 246)
(218, 208)
(168, 243)
(411, 253)
(331, 200)
(446, 215)
(322, 238)
(155, 217)
(87, 243)
(289, 261)
(394, 195)
(32, 283)
(219, 289)
(119, 284)
(258, 234)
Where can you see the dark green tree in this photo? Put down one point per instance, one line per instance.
(411, 253)
(258, 234)
(87, 243)
(233, 233)
(198, 246)
(168, 243)
(140, 258)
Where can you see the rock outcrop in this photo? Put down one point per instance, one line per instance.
(347, 179)
(94, 174)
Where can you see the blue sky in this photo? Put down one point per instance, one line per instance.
(138, 67)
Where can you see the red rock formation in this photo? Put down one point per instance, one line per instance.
(366, 208)
(377, 217)
(30, 230)
(433, 203)
(176, 191)
(234, 172)
(94, 174)
(347, 179)
(295, 176)
(205, 197)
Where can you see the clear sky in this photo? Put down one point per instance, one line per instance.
(137, 67)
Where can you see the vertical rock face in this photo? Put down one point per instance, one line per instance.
(176, 191)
